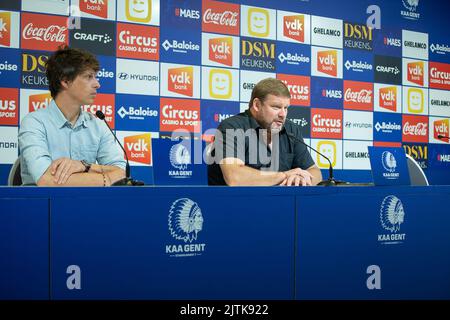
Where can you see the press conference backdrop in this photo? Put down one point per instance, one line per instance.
(174, 64)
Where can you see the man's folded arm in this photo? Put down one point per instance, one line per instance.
(109, 176)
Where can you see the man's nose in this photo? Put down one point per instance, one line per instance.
(97, 83)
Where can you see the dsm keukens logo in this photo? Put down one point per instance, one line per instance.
(185, 223)
(392, 215)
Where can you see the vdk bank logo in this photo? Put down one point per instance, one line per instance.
(185, 223)
(138, 148)
(392, 215)
(180, 80)
(390, 165)
(5, 29)
(180, 159)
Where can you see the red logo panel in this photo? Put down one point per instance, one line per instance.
(439, 75)
(358, 95)
(137, 41)
(105, 103)
(43, 32)
(415, 129)
(326, 123)
(9, 112)
(179, 114)
(220, 17)
(299, 88)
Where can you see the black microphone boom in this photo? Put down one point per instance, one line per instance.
(331, 181)
(127, 181)
(440, 136)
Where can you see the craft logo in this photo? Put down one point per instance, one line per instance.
(179, 114)
(302, 117)
(415, 100)
(220, 17)
(221, 50)
(258, 55)
(419, 152)
(293, 27)
(138, 10)
(327, 62)
(441, 127)
(185, 223)
(138, 148)
(299, 88)
(388, 69)
(5, 28)
(358, 95)
(415, 128)
(180, 80)
(97, 8)
(104, 103)
(416, 72)
(326, 123)
(9, 102)
(388, 98)
(392, 215)
(41, 33)
(439, 75)
(329, 149)
(357, 36)
(33, 70)
(39, 101)
(411, 9)
(220, 83)
(137, 41)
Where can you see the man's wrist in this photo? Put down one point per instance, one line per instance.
(86, 165)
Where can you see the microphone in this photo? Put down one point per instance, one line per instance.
(440, 136)
(127, 180)
(331, 181)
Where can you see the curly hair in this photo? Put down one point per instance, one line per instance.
(66, 64)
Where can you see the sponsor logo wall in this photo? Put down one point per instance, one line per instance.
(169, 65)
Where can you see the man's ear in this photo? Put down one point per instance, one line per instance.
(256, 105)
(64, 83)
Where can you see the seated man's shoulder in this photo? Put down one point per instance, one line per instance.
(237, 121)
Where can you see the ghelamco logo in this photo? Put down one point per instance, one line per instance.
(180, 46)
(185, 222)
(180, 159)
(390, 165)
(439, 48)
(411, 6)
(392, 215)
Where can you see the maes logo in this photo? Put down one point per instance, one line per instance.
(39, 101)
(138, 148)
(187, 13)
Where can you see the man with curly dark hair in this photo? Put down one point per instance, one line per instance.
(62, 145)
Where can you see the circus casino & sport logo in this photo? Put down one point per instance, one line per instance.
(185, 222)
(392, 216)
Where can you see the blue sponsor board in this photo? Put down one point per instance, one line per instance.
(137, 113)
(180, 47)
(387, 42)
(387, 127)
(389, 166)
(439, 156)
(10, 68)
(358, 65)
(214, 112)
(439, 48)
(143, 173)
(418, 152)
(326, 92)
(181, 14)
(258, 55)
(33, 69)
(179, 161)
(293, 58)
(107, 74)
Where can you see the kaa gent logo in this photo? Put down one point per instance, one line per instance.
(392, 215)
(388, 161)
(185, 222)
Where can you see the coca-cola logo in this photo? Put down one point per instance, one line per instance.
(226, 18)
(53, 33)
(419, 129)
(361, 96)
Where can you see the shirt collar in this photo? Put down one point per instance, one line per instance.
(61, 121)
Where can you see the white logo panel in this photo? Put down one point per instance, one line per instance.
(415, 72)
(415, 100)
(12, 28)
(326, 32)
(330, 148)
(33, 100)
(356, 155)
(439, 103)
(387, 98)
(258, 22)
(220, 50)
(358, 125)
(326, 62)
(290, 28)
(137, 77)
(220, 84)
(60, 7)
(142, 11)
